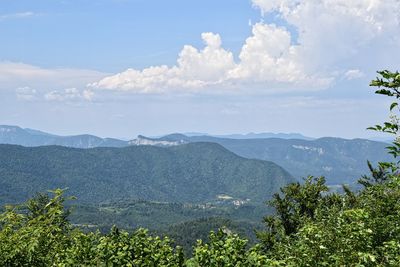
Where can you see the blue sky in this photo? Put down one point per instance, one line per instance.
(125, 67)
(112, 36)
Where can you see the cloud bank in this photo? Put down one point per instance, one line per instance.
(331, 37)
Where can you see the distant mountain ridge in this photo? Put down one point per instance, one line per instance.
(16, 135)
(28, 137)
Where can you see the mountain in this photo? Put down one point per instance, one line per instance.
(190, 173)
(339, 160)
(29, 137)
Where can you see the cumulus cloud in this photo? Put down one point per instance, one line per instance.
(266, 56)
(69, 94)
(25, 93)
(195, 69)
(333, 32)
(332, 36)
(269, 57)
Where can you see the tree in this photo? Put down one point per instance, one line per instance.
(34, 234)
(296, 203)
(389, 84)
(228, 250)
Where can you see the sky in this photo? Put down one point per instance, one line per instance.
(119, 68)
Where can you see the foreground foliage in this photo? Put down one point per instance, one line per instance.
(312, 227)
(38, 234)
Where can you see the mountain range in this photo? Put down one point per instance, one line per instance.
(339, 160)
(29, 137)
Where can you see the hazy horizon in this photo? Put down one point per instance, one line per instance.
(248, 135)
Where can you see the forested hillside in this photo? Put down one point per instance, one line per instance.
(159, 215)
(339, 160)
(192, 173)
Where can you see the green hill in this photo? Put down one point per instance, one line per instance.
(339, 160)
(191, 173)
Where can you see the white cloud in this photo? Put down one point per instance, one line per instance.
(195, 69)
(353, 74)
(331, 33)
(69, 94)
(25, 93)
(332, 37)
(266, 57)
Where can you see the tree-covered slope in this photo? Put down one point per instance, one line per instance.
(197, 172)
(339, 160)
(132, 214)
